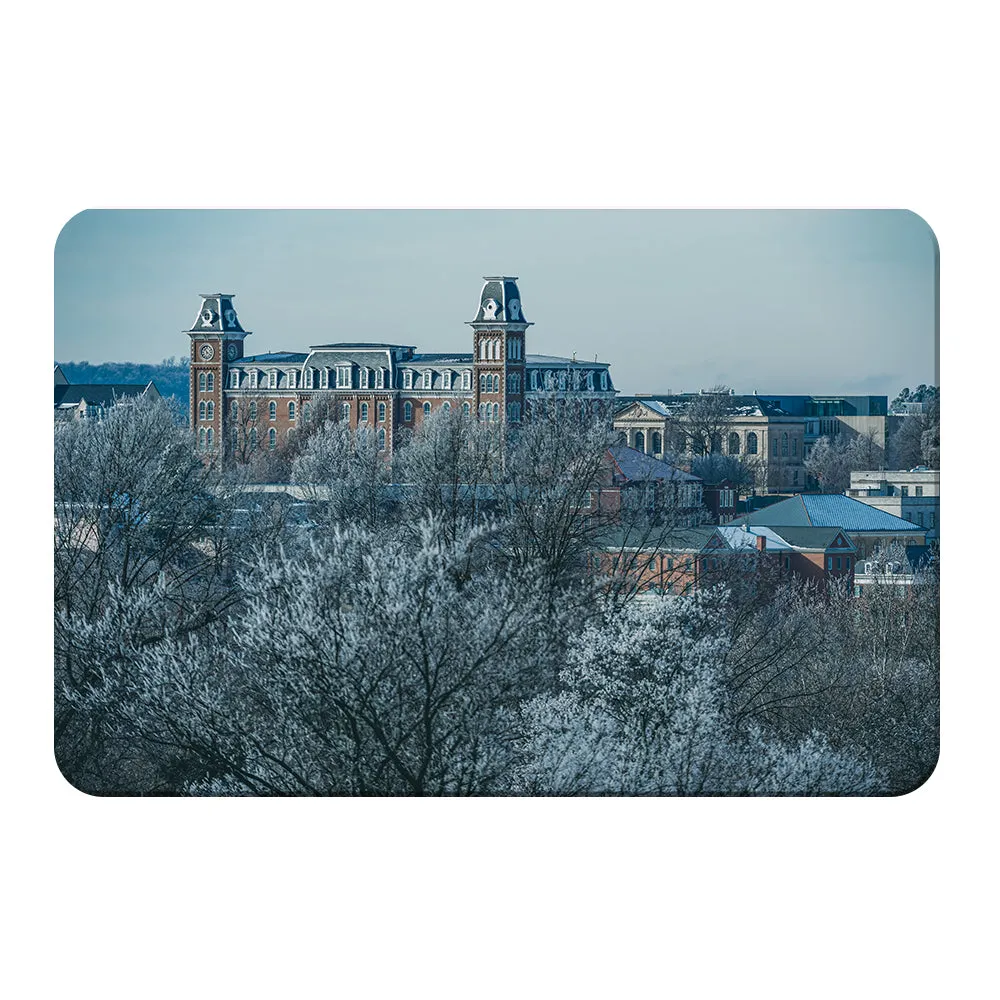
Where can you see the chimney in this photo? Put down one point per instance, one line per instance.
(761, 543)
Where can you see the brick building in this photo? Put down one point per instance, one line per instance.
(241, 403)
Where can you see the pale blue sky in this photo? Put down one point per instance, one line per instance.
(775, 301)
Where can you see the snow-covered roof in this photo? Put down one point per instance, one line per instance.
(636, 466)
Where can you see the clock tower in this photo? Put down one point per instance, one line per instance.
(216, 339)
(498, 352)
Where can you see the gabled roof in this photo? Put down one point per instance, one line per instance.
(636, 466)
(740, 537)
(831, 510)
(96, 394)
(815, 537)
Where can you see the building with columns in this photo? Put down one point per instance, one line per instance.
(241, 402)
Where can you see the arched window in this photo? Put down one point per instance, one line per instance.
(201, 410)
(657, 443)
(253, 409)
(407, 411)
(482, 383)
(210, 411)
(381, 412)
(562, 381)
(234, 410)
(640, 441)
(364, 413)
(201, 382)
(201, 438)
(234, 379)
(496, 411)
(446, 406)
(466, 409)
(253, 438)
(466, 380)
(210, 382)
(427, 408)
(734, 443)
(272, 410)
(209, 439)
(381, 439)
(482, 411)
(784, 444)
(291, 410)
(534, 381)
(309, 378)
(345, 412)
(751, 443)
(272, 439)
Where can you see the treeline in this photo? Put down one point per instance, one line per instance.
(170, 375)
(448, 650)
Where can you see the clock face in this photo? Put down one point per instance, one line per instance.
(231, 351)
(207, 352)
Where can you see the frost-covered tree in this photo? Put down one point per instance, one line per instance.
(348, 472)
(360, 666)
(645, 711)
(135, 507)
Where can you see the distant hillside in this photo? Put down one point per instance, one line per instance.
(170, 376)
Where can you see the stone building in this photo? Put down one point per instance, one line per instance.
(241, 403)
(770, 441)
(912, 494)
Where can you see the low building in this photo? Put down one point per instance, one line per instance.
(90, 400)
(912, 494)
(868, 528)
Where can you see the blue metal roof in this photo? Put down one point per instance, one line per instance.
(831, 510)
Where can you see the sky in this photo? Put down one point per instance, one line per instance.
(775, 301)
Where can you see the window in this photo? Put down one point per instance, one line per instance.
(838, 564)
(210, 439)
(407, 378)
(562, 381)
(496, 411)
(306, 412)
(466, 381)
(235, 442)
(466, 409)
(534, 381)
(933, 518)
(829, 563)
(309, 378)
(407, 411)
(254, 377)
(211, 381)
(253, 410)
(482, 383)
(291, 410)
(234, 379)
(234, 410)
(324, 378)
(253, 438)
(290, 379)
(604, 380)
(201, 382)
(904, 491)
(210, 413)
(482, 350)
(380, 378)
(201, 439)
(344, 377)
(272, 379)
(784, 444)
(201, 410)
(272, 410)
(774, 447)
(428, 378)
(751, 443)
(446, 406)
(381, 412)
(364, 413)
(345, 412)
(795, 446)
(847, 562)
(363, 378)
(427, 408)
(482, 412)
(381, 439)
(272, 439)
(918, 491)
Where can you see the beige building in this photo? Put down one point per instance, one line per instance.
(758, 432)
(914, 495)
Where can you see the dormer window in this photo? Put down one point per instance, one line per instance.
(446, 380)
(407, 378)
(272, 379)
(604, 380)
(467, 381)
(590, 381)
(290, 379)
(534, 381)
(380, 378)
(428, 378)
(363, 378)
(309, 378)
(324, 378)
(234, 379)
(343, 376)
